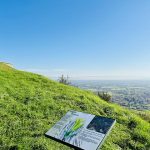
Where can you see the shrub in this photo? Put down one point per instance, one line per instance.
(108, 110)
(13, 147)
(132, 124)
(105, 96)
(64, 80)
(82, 105)
(139, 137)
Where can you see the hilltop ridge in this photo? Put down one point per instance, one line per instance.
(6, 65)
(30, 104)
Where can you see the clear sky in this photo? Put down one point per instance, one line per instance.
(82, 38)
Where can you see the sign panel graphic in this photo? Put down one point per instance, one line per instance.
(81, 130)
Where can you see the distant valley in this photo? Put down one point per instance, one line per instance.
(131, 94)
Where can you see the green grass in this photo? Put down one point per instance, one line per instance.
(30, 104)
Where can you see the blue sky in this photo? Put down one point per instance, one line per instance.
(82, 38)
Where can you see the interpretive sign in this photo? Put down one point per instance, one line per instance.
(81, 130)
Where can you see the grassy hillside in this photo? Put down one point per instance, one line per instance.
(30, 104)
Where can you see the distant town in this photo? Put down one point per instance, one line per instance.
(131, 94)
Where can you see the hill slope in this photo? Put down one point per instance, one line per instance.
(30, 104)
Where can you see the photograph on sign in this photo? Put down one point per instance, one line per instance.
(81, 130)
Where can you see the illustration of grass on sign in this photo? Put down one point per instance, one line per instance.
(73, 129)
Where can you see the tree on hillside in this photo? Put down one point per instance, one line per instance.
(64, 80)
(105, 96)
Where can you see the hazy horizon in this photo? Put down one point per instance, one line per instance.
(72, 77)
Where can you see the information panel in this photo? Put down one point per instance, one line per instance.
(81, 130)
